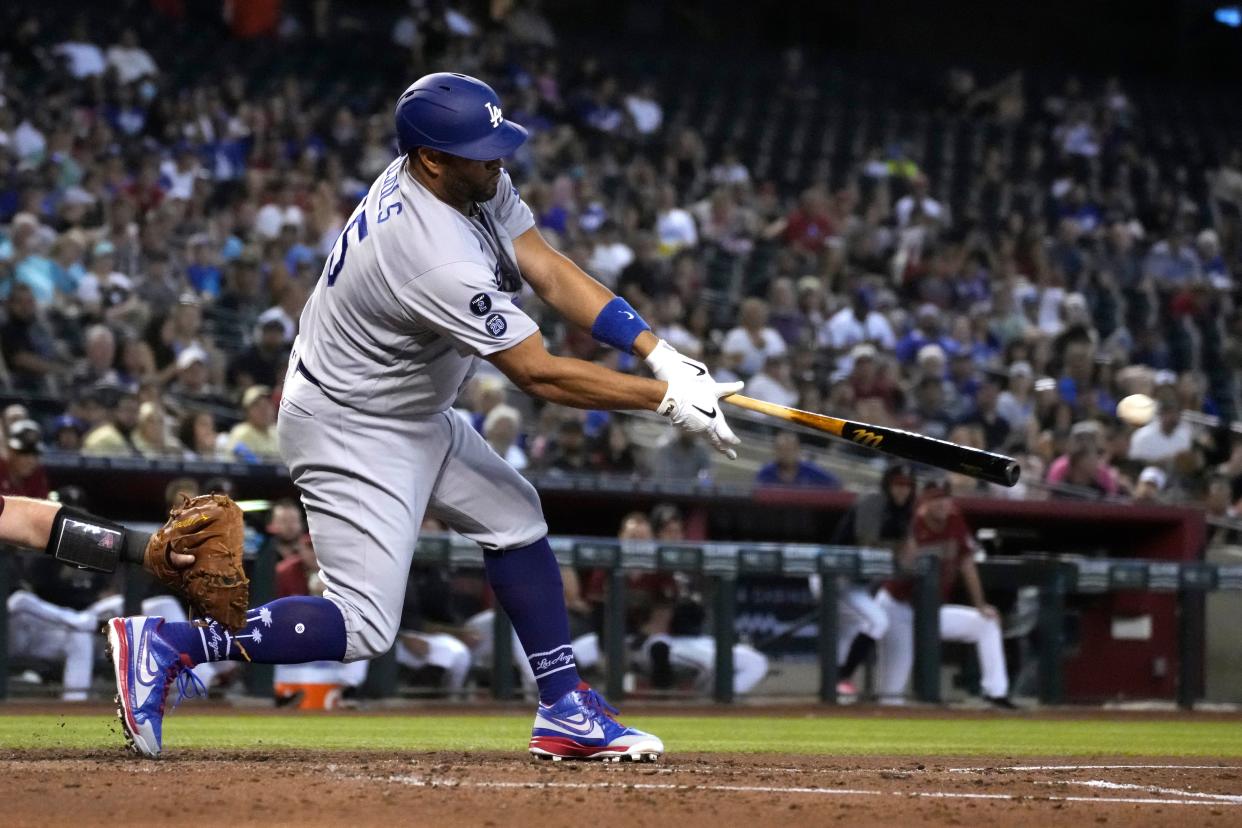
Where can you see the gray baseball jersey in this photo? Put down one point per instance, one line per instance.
(411, 295)
(412, 292)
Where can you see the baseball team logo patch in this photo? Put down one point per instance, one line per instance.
(493, 113)
(496, 325)
(480, 304)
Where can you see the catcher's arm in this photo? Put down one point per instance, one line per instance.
(73, 536)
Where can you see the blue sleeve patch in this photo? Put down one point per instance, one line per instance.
(480, 304)
(496, 325)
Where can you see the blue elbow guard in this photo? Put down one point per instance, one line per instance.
(618, 325)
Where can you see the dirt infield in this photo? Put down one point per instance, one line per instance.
(45, 787)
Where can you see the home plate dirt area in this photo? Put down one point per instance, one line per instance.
(304, 788)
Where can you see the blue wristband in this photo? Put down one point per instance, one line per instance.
(618, 325)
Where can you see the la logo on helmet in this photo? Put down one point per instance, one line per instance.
(493, 112)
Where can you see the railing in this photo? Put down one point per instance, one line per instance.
(723, 563)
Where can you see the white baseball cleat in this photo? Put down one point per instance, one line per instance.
(580, 725)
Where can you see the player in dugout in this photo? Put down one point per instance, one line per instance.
(938, 522)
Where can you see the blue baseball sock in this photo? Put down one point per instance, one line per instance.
(527, 583)
(286, 631)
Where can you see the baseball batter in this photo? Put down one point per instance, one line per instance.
(423, 281)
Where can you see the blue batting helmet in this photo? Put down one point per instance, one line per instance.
(457, 114)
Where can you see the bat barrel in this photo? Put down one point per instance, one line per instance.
(984, 465)
(1012, 471)
(919, 448)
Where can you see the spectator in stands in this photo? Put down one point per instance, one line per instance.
(809, 226)
(610, 255)
(1212, 262)
(729, 169)
(67, 269)
(963, 375)
(1016, 403)
(1083, 473)
(680, 457)
(1220, 505)
(675, 227)
(647, 274)
(785, 316)
(31, 265)
(22, 473)
(746, 347)
(570, 453)
(242, 296)
(855, 324)
(202, 270)
(501, 428)
(83, 58)
(483, 394)
(137, 365)
(775, 382)
(997, 433)
(129, 60)
(162, 284)
(1083, 464)
(114, 435)
(12, 414)
(67, 432)
(1231, 469)
(788, 468)
(873, 385)
(151, 437)
(107, 294)
(644, 110)
(259, 364)
(192, 386)
(28, 348)
(253, 440)
(1162, 440)
(927, 331)
(199, 438)
(918, 202)
(1172, 262)
(1150, 486)
(97, 365)
(929, 413)
(613, 453)
(668, 326)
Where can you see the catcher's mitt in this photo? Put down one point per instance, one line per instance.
(209, 527)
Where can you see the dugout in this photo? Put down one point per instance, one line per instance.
(1123, 643)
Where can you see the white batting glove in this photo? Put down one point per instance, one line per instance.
(693, 405)
(666, 362)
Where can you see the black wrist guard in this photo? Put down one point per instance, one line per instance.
(87, 541)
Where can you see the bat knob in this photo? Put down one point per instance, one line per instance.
(1012, 472)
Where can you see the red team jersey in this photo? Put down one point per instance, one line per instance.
(953, 538)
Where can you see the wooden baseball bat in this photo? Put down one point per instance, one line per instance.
(995, 468)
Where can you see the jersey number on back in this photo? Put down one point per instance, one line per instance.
(336, 260)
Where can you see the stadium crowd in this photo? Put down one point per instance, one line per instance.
(162, 222)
